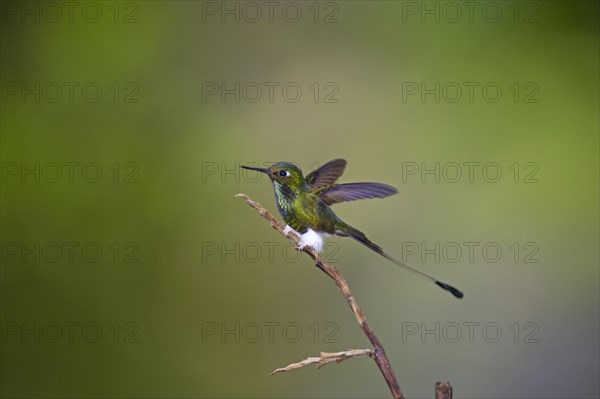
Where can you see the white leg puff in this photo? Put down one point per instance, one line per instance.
(288, 230)
(312, 239)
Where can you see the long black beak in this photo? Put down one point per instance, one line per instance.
(256, 169)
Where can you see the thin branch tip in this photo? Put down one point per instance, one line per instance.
(325, 358)
(443, 390)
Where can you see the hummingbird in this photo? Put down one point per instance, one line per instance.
(304, 203)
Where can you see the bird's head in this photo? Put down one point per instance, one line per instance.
(282, 173)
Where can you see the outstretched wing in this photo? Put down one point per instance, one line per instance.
(355, 191)
(326, 174)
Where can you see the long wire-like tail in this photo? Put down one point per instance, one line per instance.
(360, 237)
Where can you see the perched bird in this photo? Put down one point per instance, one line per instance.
(304, 203)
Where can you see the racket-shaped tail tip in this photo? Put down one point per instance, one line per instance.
(456, 292)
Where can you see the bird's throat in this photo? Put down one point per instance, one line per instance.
(285, 197)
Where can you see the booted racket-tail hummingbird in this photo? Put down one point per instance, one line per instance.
(304, 203)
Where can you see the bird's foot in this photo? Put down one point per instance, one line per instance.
(311, 239)
(288, 230)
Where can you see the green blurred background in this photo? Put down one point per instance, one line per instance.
(183, 263)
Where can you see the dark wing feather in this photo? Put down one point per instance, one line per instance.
(355, 191)
(326, 174)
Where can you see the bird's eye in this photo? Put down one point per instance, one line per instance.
(284, 173)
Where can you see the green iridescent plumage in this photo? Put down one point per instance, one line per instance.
(304, 203)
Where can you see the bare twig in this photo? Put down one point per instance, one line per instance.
(443, 390)
(378, 353)
(325, 358)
